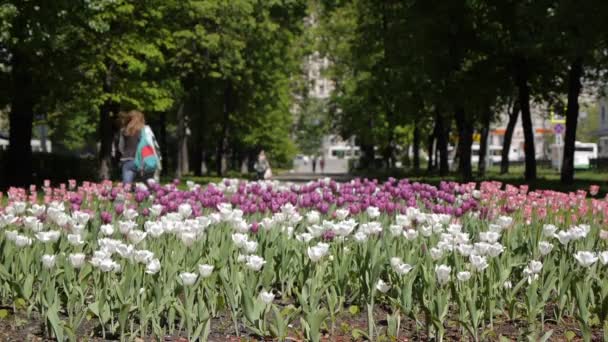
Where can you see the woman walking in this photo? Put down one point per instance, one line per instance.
(134, 129)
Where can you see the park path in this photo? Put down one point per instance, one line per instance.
(336, 169)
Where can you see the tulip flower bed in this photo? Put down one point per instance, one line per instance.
(317, 261)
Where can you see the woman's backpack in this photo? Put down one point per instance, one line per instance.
(146, 159)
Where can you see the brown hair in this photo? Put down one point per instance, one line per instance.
(134, 122)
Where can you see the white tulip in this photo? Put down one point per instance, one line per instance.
(478, 262)
(341, 214)
(410, 234)
(81, 217)
(504, 221)
(426, 230)
(143, 256)
(205, 270)
(130, 214)
(564, 237)
(454, 228)
(549, 230)
(317, 252)
(495, 228)
(495, 249)
(22, 241)
(489, 237)
(75, 239)
(395, 230)
(545, 247)
(464, 249)
(48, 261)
(126, 226)
(37, 210)
(603, 256)
(463, 276)
(535, 266)
(382, 286)
(373, 212)
(254, 262)
(185, 210)
(266, 297)
(239, 239)
(153, 266)
(585, 258)
(106, 229)
(156, 210)
(136, 236)
(360, 237)
(188, 278)
(436, 253)
(155, 229)
(50, 236)
(11, 235)
(443, 273)
(313, 217)
(188, 238)
(77, 260)
(250, 247)
(304, 237)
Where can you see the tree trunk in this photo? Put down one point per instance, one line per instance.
(197, 158)
(430, 152)
(526, 120)
(223, 140)
(465, 141)
(183, 166)
(574, 90)
(442, 145)
(506, 143)
(416, 148)
(163, 143)
(483, 143)
(106, 137)
(21, 116)
(369, 157)
(107, 112)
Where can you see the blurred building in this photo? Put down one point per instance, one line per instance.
(543, 134)
(602, 131)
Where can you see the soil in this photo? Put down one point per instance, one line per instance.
(17, 327)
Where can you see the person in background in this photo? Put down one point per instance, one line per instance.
(156, 147)
(314, 164)
(322, 164)
(133, 124)
(262, 166)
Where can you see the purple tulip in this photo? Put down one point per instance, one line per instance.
(106, 217)
(119, 209)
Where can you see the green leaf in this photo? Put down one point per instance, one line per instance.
(4, 313)
(569, 335)
(546, 336)
(55, 322)
(27, 286)
(353, 309)
(20, 303)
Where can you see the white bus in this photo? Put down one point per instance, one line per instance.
(583, 153)
(494, 154)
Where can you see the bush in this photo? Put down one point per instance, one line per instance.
(58, 168)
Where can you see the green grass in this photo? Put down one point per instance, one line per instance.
(546, 178)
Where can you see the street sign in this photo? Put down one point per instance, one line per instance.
(559, 128)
